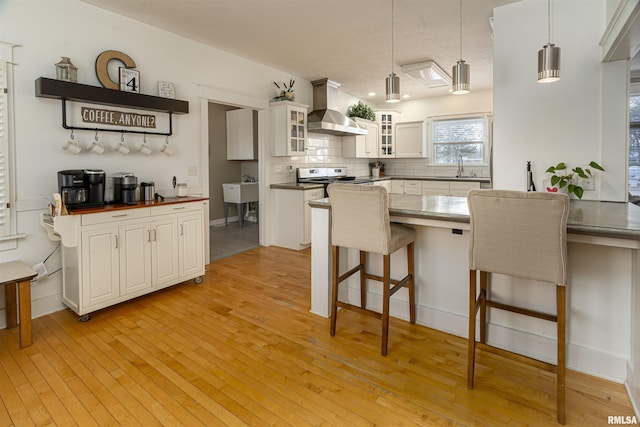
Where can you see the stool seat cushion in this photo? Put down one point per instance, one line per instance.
(400, 236)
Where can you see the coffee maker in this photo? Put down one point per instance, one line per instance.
(124, 188)
(81, 188)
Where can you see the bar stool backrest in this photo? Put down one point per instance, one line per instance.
(360, 217)
(521, 234)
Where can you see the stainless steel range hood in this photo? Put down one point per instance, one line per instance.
(325, 118)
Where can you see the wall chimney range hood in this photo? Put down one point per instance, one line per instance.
(325, 118)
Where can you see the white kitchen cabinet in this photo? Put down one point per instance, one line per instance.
(242, 137)
(411, 139)
(448, 188)
(362, 146)
(288, 124)
(190, 244)
(413, 187)
(387, 120)
(292, 216)
(134, 257)
(164, 251)
(110, 257)
(397, 186)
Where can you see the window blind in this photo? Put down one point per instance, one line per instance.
(4, 144)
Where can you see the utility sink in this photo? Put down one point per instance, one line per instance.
(240, 192)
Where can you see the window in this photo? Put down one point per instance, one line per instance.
(634, 145)
(459, 136)
(5, 223)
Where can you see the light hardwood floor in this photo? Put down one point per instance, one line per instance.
(242, 349)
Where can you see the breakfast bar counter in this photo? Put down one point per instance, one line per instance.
(603, 282)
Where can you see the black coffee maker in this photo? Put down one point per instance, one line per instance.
(124, 188)
(82, 188)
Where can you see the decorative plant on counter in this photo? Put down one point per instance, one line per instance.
(286, 92)
(561, 179)
(361, 110)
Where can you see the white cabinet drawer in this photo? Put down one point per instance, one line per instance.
(413, 187)
(176, 208)
(314, 194)
(464, 185)
(435, 185)
(119, 215)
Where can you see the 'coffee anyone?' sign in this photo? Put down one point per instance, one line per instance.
(117, 118)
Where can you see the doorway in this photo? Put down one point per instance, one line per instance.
(233, 228)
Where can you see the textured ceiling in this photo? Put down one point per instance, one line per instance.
(348, 41)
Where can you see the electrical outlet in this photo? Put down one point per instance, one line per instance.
(588, 184)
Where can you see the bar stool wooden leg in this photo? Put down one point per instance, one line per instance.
(11, 303)
(561, 372)
(335, 258)
(386, 276)
(363, 284)
(471, 356)
(484, 296)
(24, 290)
(411, 284)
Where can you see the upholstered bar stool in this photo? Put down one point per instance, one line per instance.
(360, 220)
(523, 235)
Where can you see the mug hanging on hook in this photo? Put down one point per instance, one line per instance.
(96, 146)
(145, 148)
(123, 148)
(72, 146)
(166, 149)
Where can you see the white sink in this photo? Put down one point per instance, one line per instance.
(240, 192)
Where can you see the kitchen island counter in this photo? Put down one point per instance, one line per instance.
(594, 218)
(603, 282)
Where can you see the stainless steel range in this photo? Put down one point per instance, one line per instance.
(326, 176)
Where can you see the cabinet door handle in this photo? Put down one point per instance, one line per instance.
(117, 242)
(119, 215)
(155, 235)
(178, 208)
(181, 230)
(148, 235)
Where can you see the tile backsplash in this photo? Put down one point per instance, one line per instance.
(326, 150)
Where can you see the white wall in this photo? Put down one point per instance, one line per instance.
(47, 30)
(561, 121)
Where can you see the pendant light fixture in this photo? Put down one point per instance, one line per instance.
(461, 71)
(548, 56)
(393, 81)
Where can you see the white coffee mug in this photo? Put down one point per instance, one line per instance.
(145, 149)
(123, 148)
(167, 150)
(97, 147)
(72, 147)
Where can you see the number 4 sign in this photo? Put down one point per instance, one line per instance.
(129, 80)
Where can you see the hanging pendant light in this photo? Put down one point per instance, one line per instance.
(393, 81)
(549, 56)
(461, 71)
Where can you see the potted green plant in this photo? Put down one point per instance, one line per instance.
(561, 179)
(361, 110)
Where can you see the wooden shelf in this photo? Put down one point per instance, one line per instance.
(58, 89)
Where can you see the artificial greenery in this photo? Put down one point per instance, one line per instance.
(361, 110)
(569, 180)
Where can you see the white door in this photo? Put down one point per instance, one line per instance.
(190, 254)
(99, 266)
(135, 258)
(164, 251)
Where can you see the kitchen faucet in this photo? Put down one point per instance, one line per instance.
(460, 166)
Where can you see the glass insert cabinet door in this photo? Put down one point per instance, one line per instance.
(386, 135)
(297, 127)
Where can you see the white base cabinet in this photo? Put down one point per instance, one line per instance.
(110, 257)
(291, 225)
